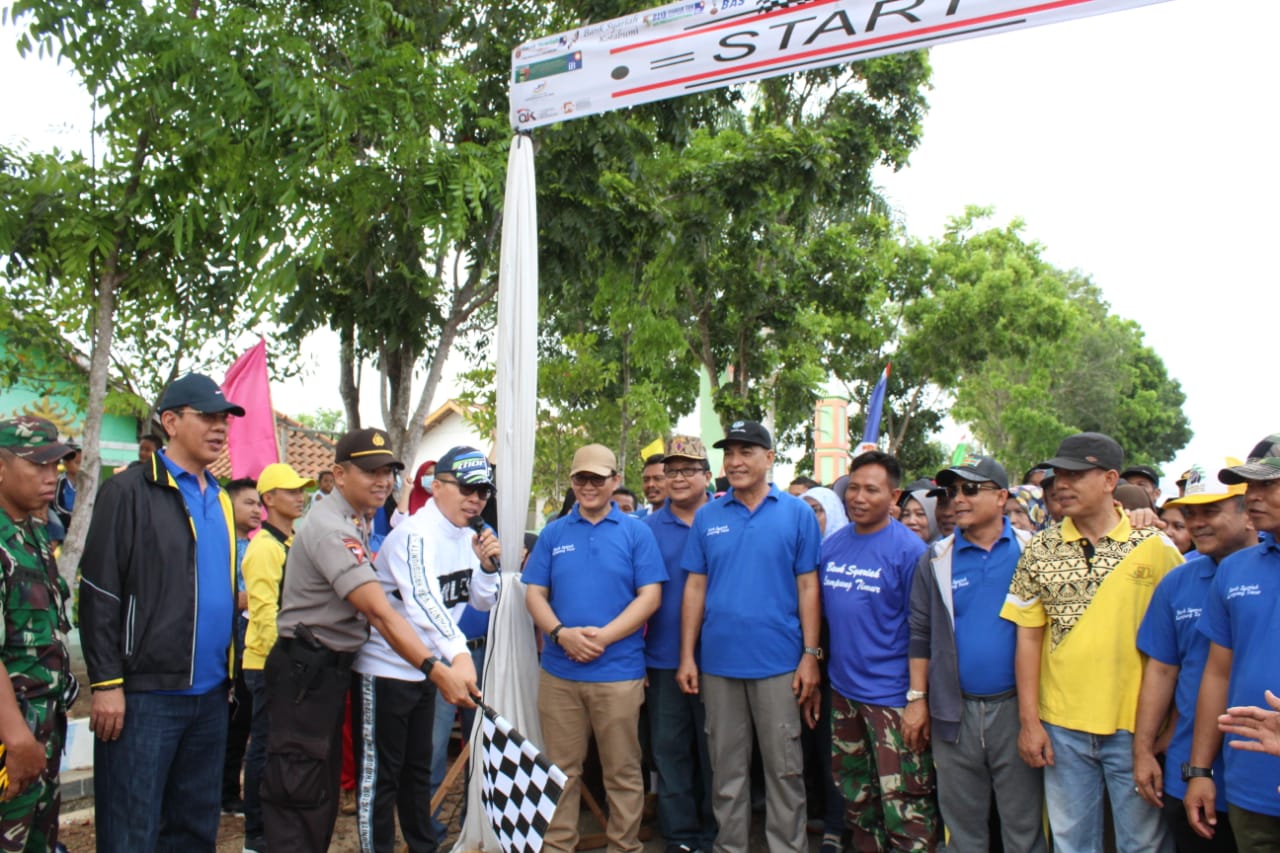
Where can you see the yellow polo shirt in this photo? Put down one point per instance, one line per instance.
(1090, 666)
(263, 569)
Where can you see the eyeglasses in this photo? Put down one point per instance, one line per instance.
(210, 418)
(593, 480)
(684, 473)
(970, 489)
(468, 490)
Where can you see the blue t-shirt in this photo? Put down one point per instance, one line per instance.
(1242, 613)
(593, 571)
(214, 596)
(751, 620)
(1168, 634)
(662, 636)
(866, 597)
(985, 643)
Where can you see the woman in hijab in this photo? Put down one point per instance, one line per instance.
(420, 493)
(828, 508)
(1026, 509)
(919, 513)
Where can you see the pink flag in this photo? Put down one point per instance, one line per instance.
(251, 440)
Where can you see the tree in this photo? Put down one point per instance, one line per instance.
(733, 234)
(161, 242)
(324, 420)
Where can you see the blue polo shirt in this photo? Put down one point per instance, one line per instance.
(215, 599)
(1168, 634)
(985, 643)
(1242, 613)
(866, 597)
(751, 622)
(662, 637)
(593, 571)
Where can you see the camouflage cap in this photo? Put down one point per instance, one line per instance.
(686, 447)
(1263, 463)
(34, 439)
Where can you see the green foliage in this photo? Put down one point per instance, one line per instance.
(324, 420)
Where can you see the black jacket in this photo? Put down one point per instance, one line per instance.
(138, 594)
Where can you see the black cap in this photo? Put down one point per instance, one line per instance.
(368, 449)
(1141, 471)
(200, 393)
(1086, 450)
(746, 432)
(977, 469)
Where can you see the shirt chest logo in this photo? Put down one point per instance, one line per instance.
(846, 577)
(717, 530)
(1184, 613)
(1243, 590)
(562, 549)
(959, 583)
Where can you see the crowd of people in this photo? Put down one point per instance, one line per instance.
(963, 658)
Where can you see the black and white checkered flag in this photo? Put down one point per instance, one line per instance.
(519, 787)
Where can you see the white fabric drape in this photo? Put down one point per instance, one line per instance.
(510, 681)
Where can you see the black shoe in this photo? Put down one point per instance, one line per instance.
(680, 848)
(255, 845)
(233, 806)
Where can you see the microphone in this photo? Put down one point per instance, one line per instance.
(477, 524)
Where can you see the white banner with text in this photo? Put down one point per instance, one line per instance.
(695, 46)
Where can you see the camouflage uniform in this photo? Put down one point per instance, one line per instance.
(888, 789)
(33, 597)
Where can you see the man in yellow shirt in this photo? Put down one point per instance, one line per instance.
(284, 498)
(1078, 596)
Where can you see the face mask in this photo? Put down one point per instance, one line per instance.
(427, 480)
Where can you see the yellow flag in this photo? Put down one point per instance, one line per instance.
(653, 448)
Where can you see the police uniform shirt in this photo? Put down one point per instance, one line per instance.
(329, 559)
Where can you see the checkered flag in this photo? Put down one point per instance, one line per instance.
(519, 787)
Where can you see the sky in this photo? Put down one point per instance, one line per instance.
(1136, 146)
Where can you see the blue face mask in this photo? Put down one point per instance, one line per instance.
(427, 481)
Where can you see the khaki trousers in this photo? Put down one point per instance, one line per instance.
(571, 712)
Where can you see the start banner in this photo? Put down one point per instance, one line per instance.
(694, 46)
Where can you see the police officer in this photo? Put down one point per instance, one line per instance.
(331, 596)
(36, 685)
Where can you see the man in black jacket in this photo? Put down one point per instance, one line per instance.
(157, 611)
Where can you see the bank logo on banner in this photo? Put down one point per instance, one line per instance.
(697, 45)
(519, 787)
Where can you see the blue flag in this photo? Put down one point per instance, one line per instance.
(871, 432)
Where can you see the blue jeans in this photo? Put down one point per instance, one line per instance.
(1083, 766)
(159, 786)
(255, 758)
(677, 725)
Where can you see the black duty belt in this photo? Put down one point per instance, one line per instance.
(474, 643)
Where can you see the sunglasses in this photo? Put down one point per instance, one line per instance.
(588, 480)
(970, 489)
(683, 473)
(483, 492)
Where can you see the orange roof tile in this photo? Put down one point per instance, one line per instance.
(308, 451)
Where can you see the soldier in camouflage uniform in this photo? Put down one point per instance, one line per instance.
(36, 685)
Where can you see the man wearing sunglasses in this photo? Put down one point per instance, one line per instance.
(963, 687)
(157, 611)
(1078, 596)
(594, 577)
(430, 566)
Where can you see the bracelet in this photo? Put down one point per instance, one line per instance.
(106, 687)
(555, 633)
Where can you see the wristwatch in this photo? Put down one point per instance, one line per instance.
(555, 633)
(816, 651)
(1189, 772)
(913, 695)
(427, 665)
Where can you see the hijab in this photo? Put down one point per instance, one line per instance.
(832, 506)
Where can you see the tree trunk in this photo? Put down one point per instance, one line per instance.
(91, 461)
(347, 386)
